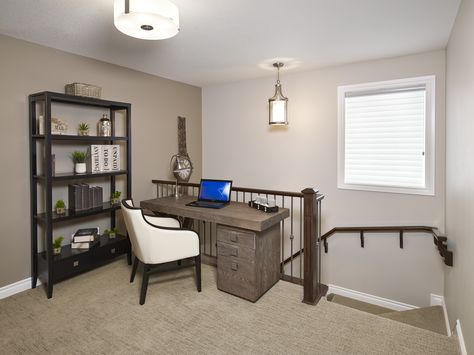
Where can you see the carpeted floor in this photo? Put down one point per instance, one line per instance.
(98, 313)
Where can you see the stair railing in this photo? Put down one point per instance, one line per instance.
(439, 240)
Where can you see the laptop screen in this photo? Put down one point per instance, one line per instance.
(215, 190)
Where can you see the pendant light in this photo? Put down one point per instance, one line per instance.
(146, 19)
(278, 104)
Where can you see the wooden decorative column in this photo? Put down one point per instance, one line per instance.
(313, 289)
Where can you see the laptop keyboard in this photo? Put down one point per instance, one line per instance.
(207, 204)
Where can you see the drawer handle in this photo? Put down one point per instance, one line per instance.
(75, 263)
(233, 238)
(112, 251)
(235, 266)
(234, 252)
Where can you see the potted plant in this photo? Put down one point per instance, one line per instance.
(57, 245)
(115, 197)
(79, 159)
(60, 207)
(112, 233)
(83, 129)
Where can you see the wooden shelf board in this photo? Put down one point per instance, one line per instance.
(71, 137)
(70, 214)
(72, 176)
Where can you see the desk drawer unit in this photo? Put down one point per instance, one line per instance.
(248, 263)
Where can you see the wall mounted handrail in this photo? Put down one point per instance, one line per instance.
(304, 205)
(439, 240)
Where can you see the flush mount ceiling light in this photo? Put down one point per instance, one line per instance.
(146, 19)
(278, 104)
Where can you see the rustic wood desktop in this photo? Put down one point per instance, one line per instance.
(248, 242)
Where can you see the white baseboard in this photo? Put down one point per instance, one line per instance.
(437, 300)
(462, 344)
(16, 287)
(365, 297)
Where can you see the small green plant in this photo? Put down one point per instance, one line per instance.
(60, 204)
(57, 242)
(112, 233)
(79, 157)
(116, 194)
(83, 126)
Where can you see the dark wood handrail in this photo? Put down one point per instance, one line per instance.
(439, 240)
(240, 189)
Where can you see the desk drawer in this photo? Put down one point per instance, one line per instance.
(235, 236)
(235, 250)
(236, 277)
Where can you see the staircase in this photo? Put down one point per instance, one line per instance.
(428, 318)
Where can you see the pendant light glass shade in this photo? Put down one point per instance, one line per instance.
(146, 19)
(278, 104)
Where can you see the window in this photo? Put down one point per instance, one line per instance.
(386, 136)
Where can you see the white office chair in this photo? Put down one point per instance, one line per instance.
(157, 240)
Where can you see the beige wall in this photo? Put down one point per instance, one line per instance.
(459, 285)
(239, 144)
(27, 68)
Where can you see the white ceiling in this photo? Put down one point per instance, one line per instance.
(229, 40)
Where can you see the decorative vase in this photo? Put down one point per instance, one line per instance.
(80, 168)
(104, 127)
(57, 251)
(60, 210)
(84, 132)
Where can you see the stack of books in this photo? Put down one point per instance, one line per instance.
(103, 158)
(85, 238)
(83, 197)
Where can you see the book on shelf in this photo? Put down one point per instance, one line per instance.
(75, 197)
(87, 231)
(106, 161)
(103, 158)
(94, 159)
(83, 196)
(115, 157)
(84, 238)
(84, 245)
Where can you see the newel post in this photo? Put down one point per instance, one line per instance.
(313, 289)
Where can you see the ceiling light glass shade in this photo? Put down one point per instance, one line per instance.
(278, 107)
(147, 19)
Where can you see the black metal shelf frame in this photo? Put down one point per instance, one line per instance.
(46, 268)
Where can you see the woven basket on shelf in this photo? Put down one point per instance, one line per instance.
(81, 89)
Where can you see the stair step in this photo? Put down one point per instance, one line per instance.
(429, 318)
(361, 306)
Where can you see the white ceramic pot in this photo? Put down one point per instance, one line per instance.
(80, 168)
(57, 251)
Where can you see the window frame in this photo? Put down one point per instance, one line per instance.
(429, 82)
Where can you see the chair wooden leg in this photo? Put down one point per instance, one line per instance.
(134, 269)
(197, 264)
(146, 276)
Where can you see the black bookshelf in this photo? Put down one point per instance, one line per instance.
(45, 266)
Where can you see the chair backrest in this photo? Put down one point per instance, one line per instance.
(130, 213)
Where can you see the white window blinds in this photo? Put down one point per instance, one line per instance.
(384, 137)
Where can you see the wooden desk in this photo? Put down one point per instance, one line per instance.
(248, 243)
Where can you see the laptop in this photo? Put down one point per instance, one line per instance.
(213, 194)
